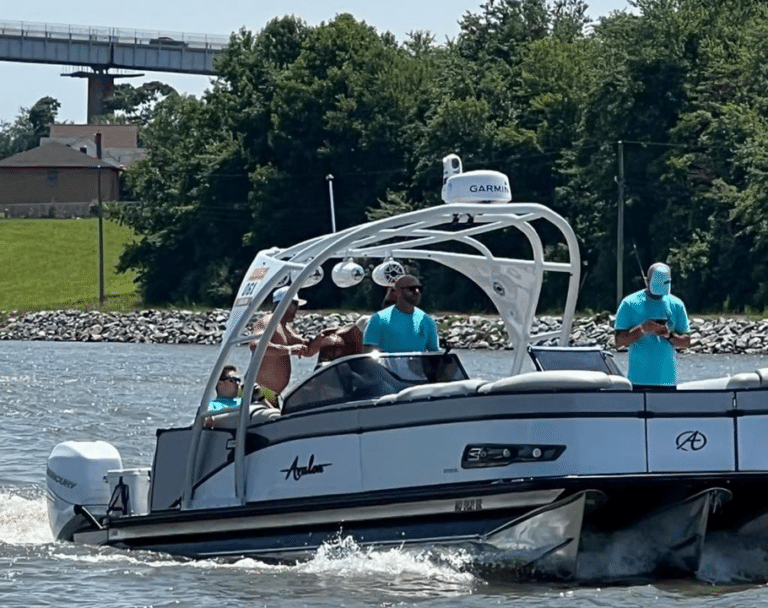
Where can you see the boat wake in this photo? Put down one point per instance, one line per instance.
(624, 555)
(407, 568)
(629, 556)
(23, 520)
(733, 558)
(726, 557)
(24, 524)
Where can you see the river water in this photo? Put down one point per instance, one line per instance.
(53, 391)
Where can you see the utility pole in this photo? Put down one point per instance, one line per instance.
(101, 221)
(329, 178)
(620, 230)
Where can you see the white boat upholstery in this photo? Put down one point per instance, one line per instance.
(437, 390)
(558, 380)
(763, 373)
(228, 418)
(385, 399)
(737, 381)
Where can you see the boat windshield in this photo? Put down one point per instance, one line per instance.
(369, 376)
(575, 358)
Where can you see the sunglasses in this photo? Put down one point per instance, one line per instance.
(418, 288)
(233, 380)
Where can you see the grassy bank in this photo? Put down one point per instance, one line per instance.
(53, 264)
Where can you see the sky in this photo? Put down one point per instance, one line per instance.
(24, 83)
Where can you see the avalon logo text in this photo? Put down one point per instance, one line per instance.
(299, 472)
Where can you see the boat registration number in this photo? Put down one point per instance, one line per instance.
(469, 504)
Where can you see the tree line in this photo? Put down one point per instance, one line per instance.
(528, 87)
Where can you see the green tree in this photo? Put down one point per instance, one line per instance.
(722, 165)
(193, 210)
(635, 95)
(30, 125)
(524, 89)
(135, 105)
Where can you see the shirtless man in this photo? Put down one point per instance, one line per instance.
(275, 371)
(334, 343)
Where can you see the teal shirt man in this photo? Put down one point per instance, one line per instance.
(395, 331)
(403, 327)
(653, 323)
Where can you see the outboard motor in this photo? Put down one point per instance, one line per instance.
(76, 479)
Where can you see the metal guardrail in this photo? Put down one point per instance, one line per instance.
(162, 39)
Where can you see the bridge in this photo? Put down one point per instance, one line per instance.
(101, 49)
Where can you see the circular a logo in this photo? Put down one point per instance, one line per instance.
(499, 288)
(691, 441)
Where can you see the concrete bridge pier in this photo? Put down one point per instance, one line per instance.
(100, 87)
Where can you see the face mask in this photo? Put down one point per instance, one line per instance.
(660, 281)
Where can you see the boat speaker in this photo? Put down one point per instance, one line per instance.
(314, 278)
(347, 273)
(387, 273)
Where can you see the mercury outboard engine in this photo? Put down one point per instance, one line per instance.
(76, 480)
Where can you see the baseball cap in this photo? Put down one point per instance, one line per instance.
(660, 280)
(279, 294)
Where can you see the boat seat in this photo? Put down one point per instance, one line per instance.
(763, 373)
(438, 390)
(385, 399)
(737, 381)
(558, 380)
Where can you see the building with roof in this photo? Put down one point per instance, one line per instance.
(120, 143)
(55, 180)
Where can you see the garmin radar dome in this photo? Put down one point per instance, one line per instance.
(347, 273)
(473, 186)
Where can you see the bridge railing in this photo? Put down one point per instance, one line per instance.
(169, 40)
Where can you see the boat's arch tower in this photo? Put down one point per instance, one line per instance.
(512, 284)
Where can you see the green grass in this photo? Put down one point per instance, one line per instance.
(53, 264)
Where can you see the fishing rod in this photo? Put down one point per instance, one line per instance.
(645, 279)
(639, 263)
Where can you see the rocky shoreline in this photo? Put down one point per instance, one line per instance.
(710, 335)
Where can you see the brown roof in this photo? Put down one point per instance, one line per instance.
(53, 155)
(112, 136)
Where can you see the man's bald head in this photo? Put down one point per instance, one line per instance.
(408, 293)
(407, 280)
